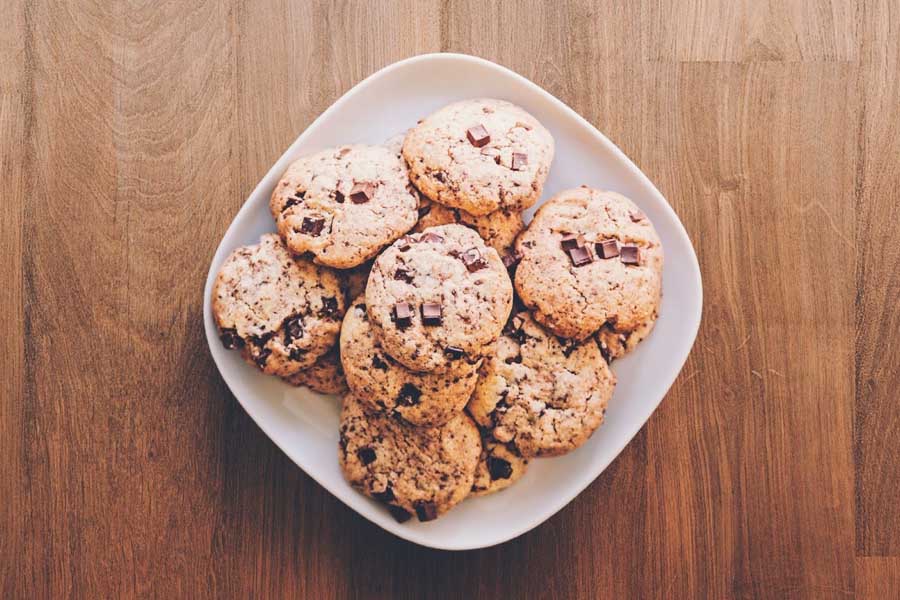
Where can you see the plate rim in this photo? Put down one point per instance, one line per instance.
(420, 536)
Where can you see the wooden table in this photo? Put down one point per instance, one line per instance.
(131, 134)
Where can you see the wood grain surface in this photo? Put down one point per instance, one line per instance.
(132, 132)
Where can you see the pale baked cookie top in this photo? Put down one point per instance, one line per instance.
(282, 313)
(414, 470)
(344, 204)
(542, 395)
(438, 297)
(480, 155)
(590, 258)
(423, 399)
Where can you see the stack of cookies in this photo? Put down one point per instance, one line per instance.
(390, 281)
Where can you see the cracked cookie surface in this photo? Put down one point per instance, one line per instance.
(282, 313)
(480, 155)
(464, 281)
(542, 395)
(414, 470)
(325, 376)
(498, 229)
(422, 399)
(499, 467)
(576, 291)
(344, 204)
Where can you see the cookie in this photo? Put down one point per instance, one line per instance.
(282, 313)
(438, 297)
(414, 470)
(498, 229)
(480, 155)
(499, 467)
(325, 376)
(384, 385)
(344, 204)
(615, 344)
(541, 395)
(590, 258)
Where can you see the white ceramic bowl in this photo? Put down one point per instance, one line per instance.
(305, 424)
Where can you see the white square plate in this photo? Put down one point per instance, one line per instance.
(305, 424)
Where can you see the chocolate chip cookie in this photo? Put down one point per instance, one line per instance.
(423, 399)
(541, 395)
(438, 297)
(414, 470)
(499, 467)
(344, 204)
(325, 376)
(282, 313)
(590, 258)
(498, 229)
(480, 155)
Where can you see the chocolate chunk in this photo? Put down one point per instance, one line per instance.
(402, 274)
(510, 259)
(339, 196)
(572, 240)
(366, 455)
(230, 339)
(329, 307)
(473, 260)
(312, 225)
(498, 468)
(431, 313)
(519, 161)
(478, 136)
(262, 339)
(431, 237)
(637, 216)
(580, 256)
(297, 354)
(439, 175)
(293, 328)
(403, 314)
(297, 198)
(386, 496)
(262, 357)
(409, 395)
(400, 515)
(362, 193)
(454, 353)
(379, 364)
(403, 244)
(426, 511)
(630, 255)
(607, 248)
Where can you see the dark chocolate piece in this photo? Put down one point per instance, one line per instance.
(607, 248)
(473, 260)
(510, 260)
(362, 193)
(426, 511)
(230, 339)
(499, 468)
(403, 244)
(519, 161)
(263, 357)
(329, 307)
(400, 515)
(386, 496)
(630, 255)
(431, 313)
(580, 256)
(409, 395)
(312, 225)
(402, 274)
(339, 196)
(454, 353)
(366, 455)
(293, 328)
(478, 136)
(403, 314)
(379, 364)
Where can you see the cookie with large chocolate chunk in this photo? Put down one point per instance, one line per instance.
(541, 395)
(414, 470)
(591, 261)
(282, 313)
(384, 385)
(343, 205)
(480, 155)
(499, 467)
(438, 297)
